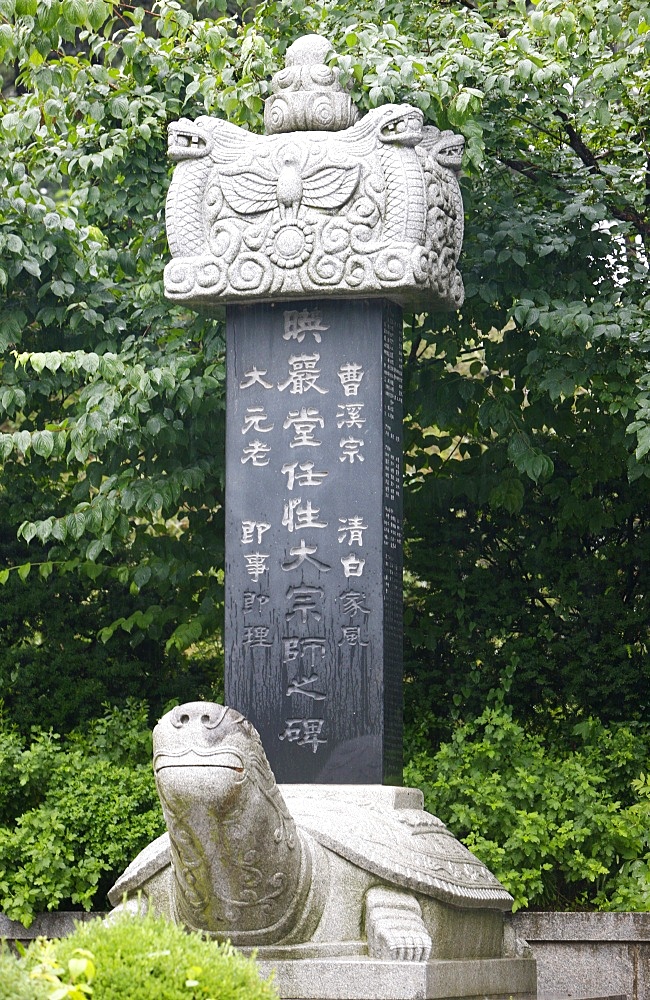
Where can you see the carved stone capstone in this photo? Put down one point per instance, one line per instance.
(322, 205)
(321, 870)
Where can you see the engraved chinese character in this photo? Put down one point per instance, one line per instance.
(290, 648)
(352, 603)
(352, 565)
(350, 376)
(254, 377)
(257, 453)
(304, 424)
(303, 732)
(351, 530)
(257, 635)
(256, 564)
(255, 417)
(253, 530)
(303, 374)
(311, 649)
(296, 517)
(350, 450)
(305, 553)
(306, 476)
(303, 602)
(351, 636)
(300, 685)
(349, 415)
(251, 599)
(298, 322)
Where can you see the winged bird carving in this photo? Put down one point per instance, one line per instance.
(256, 188)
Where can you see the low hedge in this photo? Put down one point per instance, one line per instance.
(563, 823)
(142, 958)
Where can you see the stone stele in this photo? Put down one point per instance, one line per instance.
(330, 884)
(322, 205)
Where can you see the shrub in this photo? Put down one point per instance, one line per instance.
(561, 827)
(74, 812)
(15, 981)
(142, 958)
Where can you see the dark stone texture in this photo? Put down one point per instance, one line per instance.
(313, 632)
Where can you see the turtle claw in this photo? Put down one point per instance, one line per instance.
(394, 926)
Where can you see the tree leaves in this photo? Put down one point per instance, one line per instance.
(111, 401)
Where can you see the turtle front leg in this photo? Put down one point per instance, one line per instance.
(394, 926)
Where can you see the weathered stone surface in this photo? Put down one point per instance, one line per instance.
(371, 210)
(313, 609)
(595, 953)
(368, 979)
(328, 872)
(50, 925)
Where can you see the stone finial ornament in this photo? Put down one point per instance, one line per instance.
(310, 870)
(323, 205)
(306, 94)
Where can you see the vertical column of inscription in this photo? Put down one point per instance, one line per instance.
(306, 535)
(392, 541)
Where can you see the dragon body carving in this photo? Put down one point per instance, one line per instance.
(374, 209)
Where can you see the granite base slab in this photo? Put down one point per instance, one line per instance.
(363, 978)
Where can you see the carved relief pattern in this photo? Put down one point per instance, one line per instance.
(406, 846)
(374, 209)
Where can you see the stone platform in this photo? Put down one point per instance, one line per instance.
(361, 978)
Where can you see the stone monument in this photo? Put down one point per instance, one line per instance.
(315, 236)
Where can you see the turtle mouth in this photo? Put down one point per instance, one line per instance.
(185, 141)
(191, 757)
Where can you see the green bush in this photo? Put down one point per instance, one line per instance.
(74, 812)
(561, 826)
(15, 981)
(144, 958)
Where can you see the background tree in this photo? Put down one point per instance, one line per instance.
(527, 413)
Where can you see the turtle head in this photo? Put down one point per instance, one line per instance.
(400, 124)
(203, 748)
(188, 140)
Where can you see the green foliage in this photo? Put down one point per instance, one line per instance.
(561, 828)
(15, 981)
(73, 813)
(526, 481)
(111, 405)
(527, 413)
(139, 958)
(114, 401)
(56, 672)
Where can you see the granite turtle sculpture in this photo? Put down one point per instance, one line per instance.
(325, 870)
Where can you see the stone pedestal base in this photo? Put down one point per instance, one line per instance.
(362, 978)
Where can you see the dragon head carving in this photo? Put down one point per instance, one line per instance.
(445, 147)
(187, 140)
(400, 124)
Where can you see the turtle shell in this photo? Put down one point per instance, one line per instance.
(404, 846)
(151, 860)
